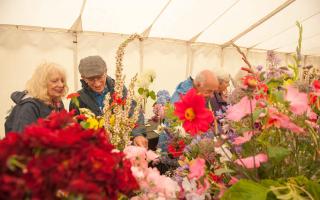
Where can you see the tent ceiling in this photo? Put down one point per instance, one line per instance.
(209, 21)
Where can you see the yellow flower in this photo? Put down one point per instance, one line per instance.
(93, 123)
(112, 120)
(288, 82)
(101, 123)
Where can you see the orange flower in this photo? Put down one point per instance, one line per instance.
(250, 81)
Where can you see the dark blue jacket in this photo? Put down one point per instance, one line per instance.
(26, 111)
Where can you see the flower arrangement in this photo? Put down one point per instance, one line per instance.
(58, 159)
(119, 113)
(86, 118)
(276, 134)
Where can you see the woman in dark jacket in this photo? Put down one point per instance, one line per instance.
(42, 95)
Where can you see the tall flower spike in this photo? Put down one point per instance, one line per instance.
(120, 118)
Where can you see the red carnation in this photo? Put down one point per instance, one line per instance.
(73, 95)
(176, 148)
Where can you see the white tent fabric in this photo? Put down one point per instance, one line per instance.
(183, 36)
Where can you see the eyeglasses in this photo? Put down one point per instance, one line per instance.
(96, 78)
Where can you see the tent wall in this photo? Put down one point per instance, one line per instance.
(22, 50)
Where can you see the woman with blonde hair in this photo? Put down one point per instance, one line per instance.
(42, 95)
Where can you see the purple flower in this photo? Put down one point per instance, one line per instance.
(259, 67)
(273, 59)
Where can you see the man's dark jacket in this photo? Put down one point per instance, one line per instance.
(87, 100)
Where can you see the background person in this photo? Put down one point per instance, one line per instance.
(96, 84)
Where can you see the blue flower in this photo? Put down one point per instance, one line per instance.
(163, 97)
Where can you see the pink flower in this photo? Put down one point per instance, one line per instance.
(281, 120)
(243, 139)
(298, 100)
(151, 155)
(233, 180)
(203, 187)
(197, 168)
(241, 109)
(252, 161)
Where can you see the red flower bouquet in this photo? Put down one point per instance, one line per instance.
(58, 159)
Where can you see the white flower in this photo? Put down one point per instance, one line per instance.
(150, 74)
(194, 196)
(225, 153)
(146, 78)
(181, 131)
(143, 82)
(136, 172)
(189, 186)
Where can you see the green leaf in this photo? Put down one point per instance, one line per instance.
(277, 153)
(274, 83)
(140, 91)
(75, 101)
(246, 190)
(256, 113)
(152, 94)
(85, 124)
(314, 189)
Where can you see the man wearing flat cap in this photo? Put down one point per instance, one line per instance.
(95, 85)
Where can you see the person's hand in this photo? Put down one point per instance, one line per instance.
(140, 141)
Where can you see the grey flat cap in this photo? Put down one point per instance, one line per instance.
(92, 66)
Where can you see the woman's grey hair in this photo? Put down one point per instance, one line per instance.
(222, 76)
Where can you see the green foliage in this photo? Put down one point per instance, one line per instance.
(152, 94)
(246, 190)
(85, 124)
(277, 154)
(13, 163)
(295, 188)
(75, 101)
(146, 93)
(170, 117)
(141, 91)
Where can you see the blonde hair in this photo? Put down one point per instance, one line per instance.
(37, 86)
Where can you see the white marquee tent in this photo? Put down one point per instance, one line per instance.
(182, 36)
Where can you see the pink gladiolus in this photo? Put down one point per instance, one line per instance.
(197, 168)
(252, 161)
(241, 109)
(298, 100)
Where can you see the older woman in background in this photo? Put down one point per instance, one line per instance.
(42, 95)
(219, 98)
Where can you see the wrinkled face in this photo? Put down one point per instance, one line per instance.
(207, 88)
(96, 83)
(56, 85)
(206, 91)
